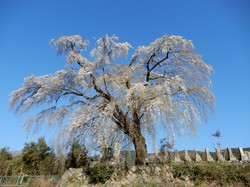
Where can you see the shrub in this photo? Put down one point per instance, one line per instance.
(99, 173)
(222, 173)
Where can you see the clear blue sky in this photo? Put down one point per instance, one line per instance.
(220, 30)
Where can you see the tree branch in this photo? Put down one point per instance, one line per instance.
(158, 63)
(159, 77)
(119, 124)
(149, 70)
(104, 81)
(81, 94)
(99, 90)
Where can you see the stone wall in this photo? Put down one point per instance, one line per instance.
(141, 175)
(121, 177)
(126, 174)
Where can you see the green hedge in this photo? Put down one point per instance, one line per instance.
(222, 173)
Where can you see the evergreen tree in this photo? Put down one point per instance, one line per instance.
(5, 161)
(38, 158)
(5, 154)
(77, 156)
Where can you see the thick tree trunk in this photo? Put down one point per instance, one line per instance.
(132, 128)
(140, 149)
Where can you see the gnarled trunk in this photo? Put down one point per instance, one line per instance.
(140, 148)
(132, 128)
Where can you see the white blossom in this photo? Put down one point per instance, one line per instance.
(163, 84)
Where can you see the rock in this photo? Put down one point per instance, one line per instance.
(133, 168)
(243, 156)
(232, 158)
(219, 155)
(176, 157)
(75, 175)
(209, 158)
(185, 178)
(187, 157)
(132, 177)
(157, 170)
(247, 154)
(197, 156)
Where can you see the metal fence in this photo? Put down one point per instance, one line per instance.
(26, 180)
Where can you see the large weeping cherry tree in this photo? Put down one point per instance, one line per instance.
(163, 84)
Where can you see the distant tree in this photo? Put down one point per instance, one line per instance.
(217, 134)
(77, 156)
(38, 158)
(5, 161)
(165, 83)
(5, 154)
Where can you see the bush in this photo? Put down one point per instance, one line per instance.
(99, 173)
(222, 173)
